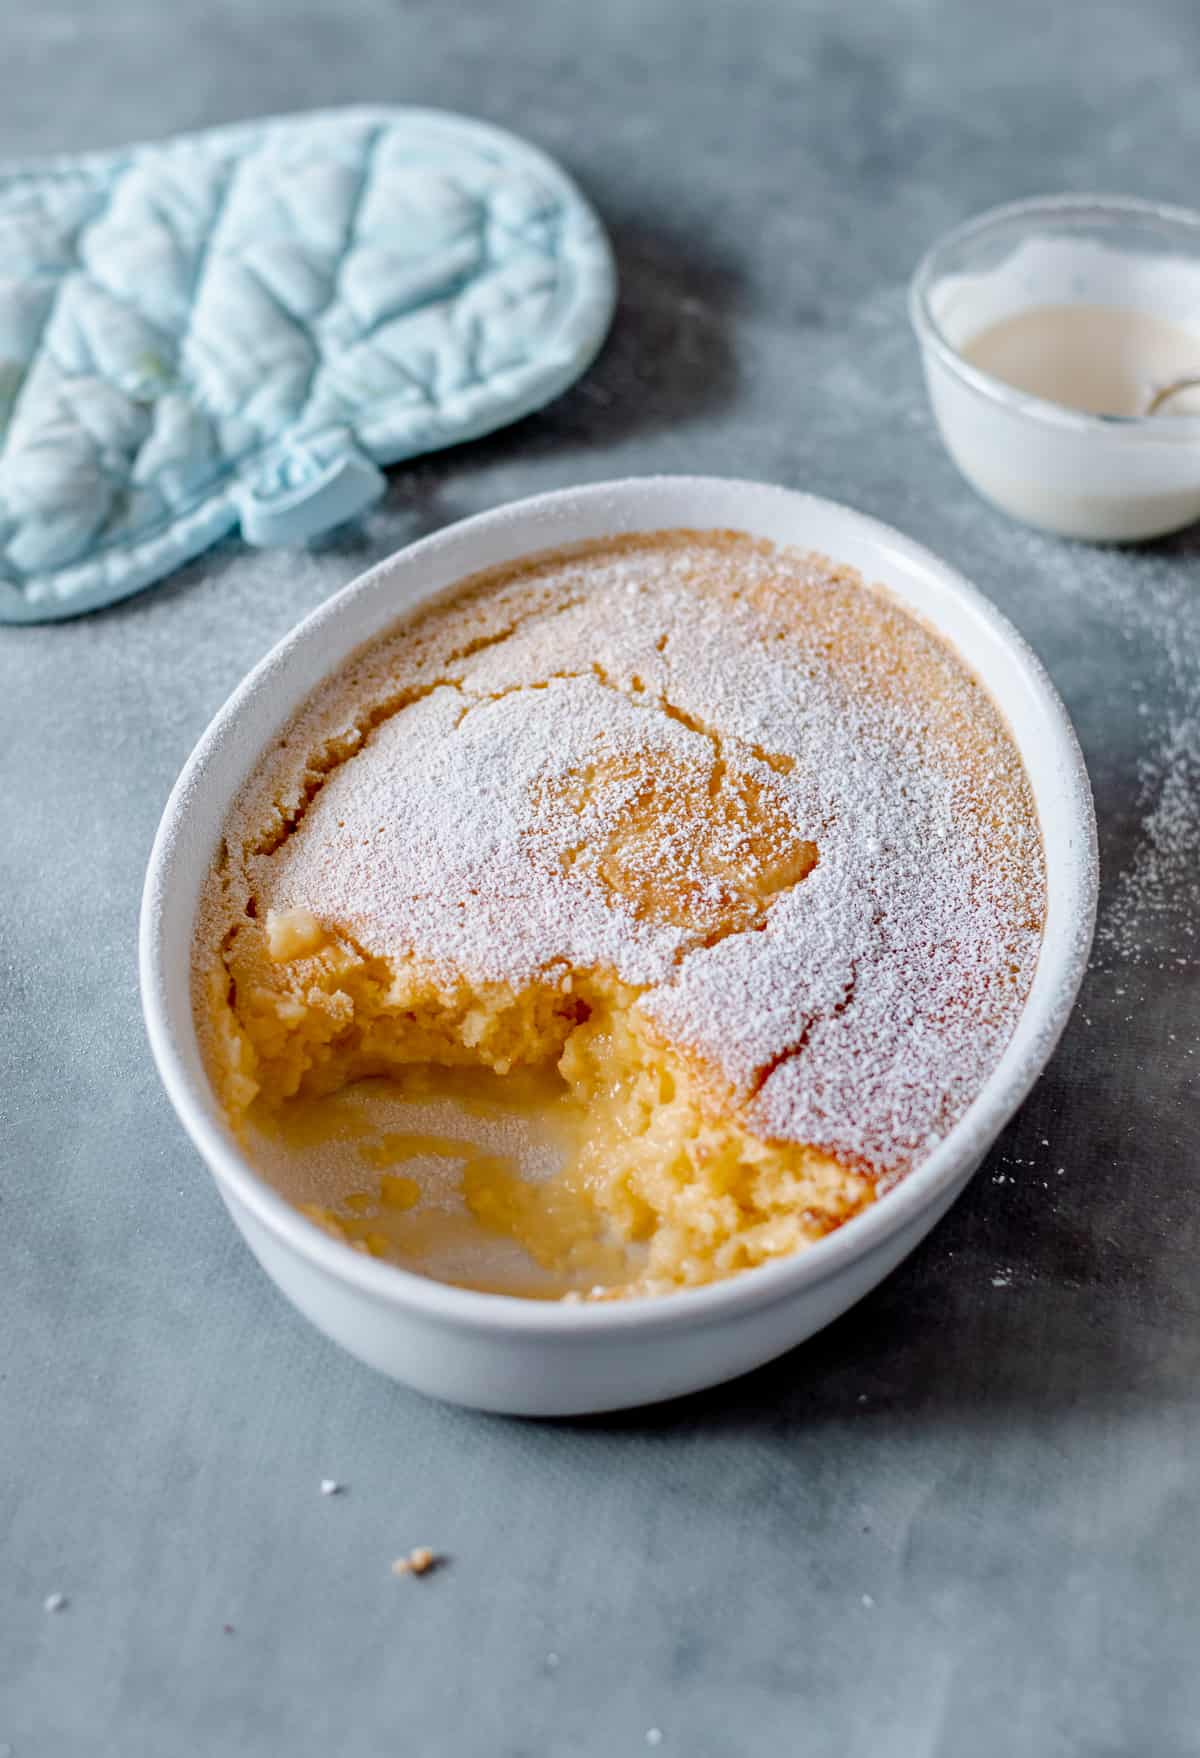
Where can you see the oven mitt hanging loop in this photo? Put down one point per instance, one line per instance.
(314, 487)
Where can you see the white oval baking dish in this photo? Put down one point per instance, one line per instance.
(547, 1358)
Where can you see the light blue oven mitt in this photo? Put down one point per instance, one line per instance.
(237, 327)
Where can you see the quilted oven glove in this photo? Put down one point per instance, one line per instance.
(238, 327)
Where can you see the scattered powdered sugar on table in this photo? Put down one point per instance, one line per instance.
(1157, 901)
(569, 769)
(1145, 604)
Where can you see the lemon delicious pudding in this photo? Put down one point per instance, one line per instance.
(625, 918)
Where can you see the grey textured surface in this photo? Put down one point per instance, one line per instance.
(964, 1520)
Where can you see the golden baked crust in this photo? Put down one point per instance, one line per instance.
(728, 840)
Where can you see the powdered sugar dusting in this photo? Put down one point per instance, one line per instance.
(1142, 604)
(729, 774)
(1157, 900)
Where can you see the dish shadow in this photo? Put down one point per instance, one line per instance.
(1183, 545)
(1042, 1292)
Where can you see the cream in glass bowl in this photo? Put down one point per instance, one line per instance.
(1052, 333)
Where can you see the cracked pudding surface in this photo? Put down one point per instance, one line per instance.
(718, 853)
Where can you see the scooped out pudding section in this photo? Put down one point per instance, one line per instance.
(457, 1171)
(625, 919)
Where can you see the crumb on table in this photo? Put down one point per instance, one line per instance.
(417, 1562)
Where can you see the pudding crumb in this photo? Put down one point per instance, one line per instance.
(55, 1602)
(417, 1562)
(331, 1487)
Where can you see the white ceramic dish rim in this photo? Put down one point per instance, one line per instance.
(1157, 429)
(1052, 995)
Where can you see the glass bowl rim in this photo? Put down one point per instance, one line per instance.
(1169, 430)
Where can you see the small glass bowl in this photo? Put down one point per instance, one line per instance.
(1106, 478)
